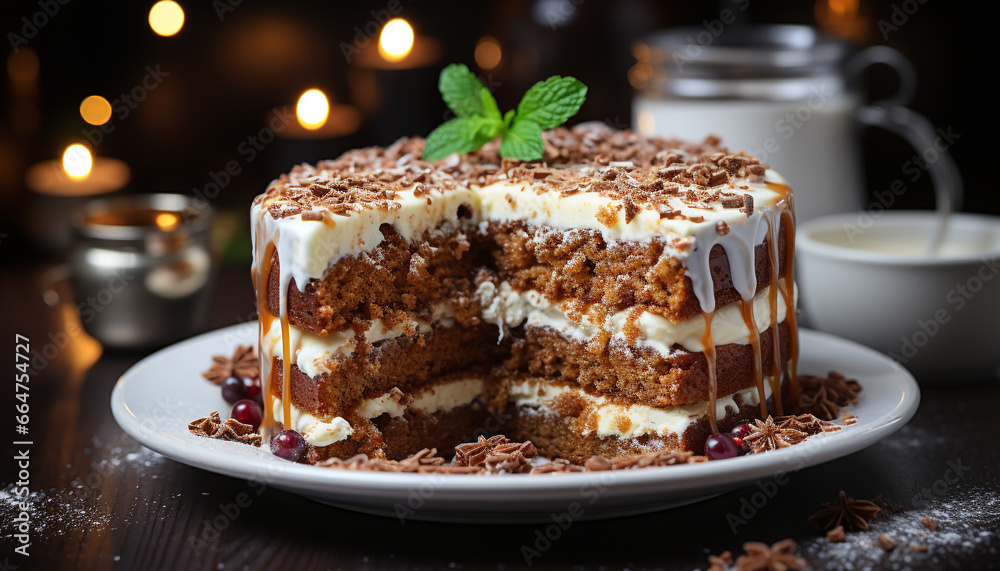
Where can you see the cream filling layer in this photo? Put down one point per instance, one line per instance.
(631, 421)
(505, 306)
(312, 353)
(326, 431)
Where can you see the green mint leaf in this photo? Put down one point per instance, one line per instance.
(478, 120)
(465, 95)
(523, 141)
(508, 117)
(461, 135)
(551, 102)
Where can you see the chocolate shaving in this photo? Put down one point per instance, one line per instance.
(496, 454)
(731, 201)
(806, 422)
(823, 397)
(644, 170)
(661, 458)
(424, 461)
(231, 430)
(845, 511)
(556, 467)
(630, 210)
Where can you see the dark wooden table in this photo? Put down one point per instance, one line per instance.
(100, 500)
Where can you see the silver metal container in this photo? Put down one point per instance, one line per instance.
(141, 268)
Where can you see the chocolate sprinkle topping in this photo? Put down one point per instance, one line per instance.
(641, 172)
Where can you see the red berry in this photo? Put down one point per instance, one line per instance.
(233, 390)
(254, 391)
(247, 412)
(288, 444)
(739, 433)
(720, 446)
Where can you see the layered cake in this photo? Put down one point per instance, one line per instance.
(621, 295)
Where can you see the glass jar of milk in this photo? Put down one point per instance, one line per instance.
(784, 93)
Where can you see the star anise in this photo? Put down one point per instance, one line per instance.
(243, 363)
(845, 511)
(231, 430)
(766, 435)
(778, 557)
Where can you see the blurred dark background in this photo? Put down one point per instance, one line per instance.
(213, 87)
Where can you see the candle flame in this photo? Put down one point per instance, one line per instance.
(312, 109)
(488, 52)
(95, 110)
(77, 161)
(396, 40)
(166, 18)
(167, 220)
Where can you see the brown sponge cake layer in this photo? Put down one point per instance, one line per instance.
(579, 264)
(556, 434)
(406, 363)
(396, 438)
(395, 280)
(642, 375)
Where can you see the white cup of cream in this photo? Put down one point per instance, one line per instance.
(870, 278)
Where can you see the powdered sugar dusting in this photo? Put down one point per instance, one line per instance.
(968, 524)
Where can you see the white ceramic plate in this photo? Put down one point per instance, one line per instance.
(155, 400)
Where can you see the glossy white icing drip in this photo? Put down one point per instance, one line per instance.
(739, 244)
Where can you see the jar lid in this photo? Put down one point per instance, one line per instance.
(739, 61)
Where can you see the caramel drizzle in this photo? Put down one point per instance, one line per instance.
(746, 308)
(793, 329)
(708, 345)
(264, 321)
(772, 298)
(286, 370)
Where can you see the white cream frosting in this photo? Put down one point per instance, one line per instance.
(308, 248)
(505, 306)
(639, 419)
(329, 430)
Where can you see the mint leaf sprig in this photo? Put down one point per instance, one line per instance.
(477, 121)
